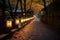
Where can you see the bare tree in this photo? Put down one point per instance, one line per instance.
(44, 1)
(25, 5)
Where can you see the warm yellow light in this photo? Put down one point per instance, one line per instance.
(17, 21)
(27, 19)
(22, 20)
(9, 23)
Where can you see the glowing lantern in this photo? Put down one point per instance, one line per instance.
(17, 21)
(9, 23)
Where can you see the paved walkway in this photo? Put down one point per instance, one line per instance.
(34, 31)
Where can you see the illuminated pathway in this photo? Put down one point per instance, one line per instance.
(34, 31)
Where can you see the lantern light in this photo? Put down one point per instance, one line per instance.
(17, 21)
(9, 23)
